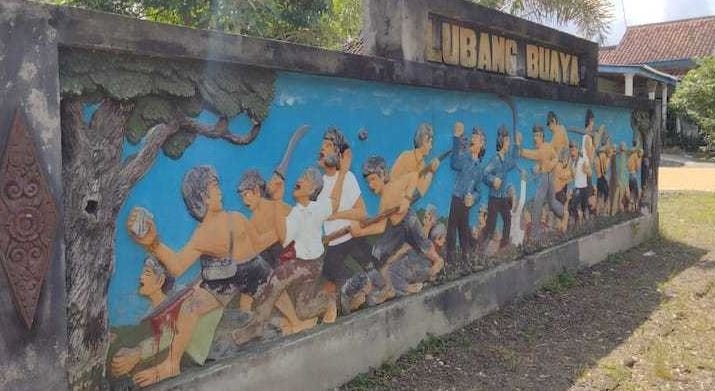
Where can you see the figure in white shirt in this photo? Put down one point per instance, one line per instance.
(335, 157)
(301, 261)
(581, 167)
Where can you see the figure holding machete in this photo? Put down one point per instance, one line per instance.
(259, 198)
(302, 258)
(267, 215)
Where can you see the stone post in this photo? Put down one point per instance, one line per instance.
(652, 85)
(395, 28)
(664, 106)
(629, 84)
(33, 328)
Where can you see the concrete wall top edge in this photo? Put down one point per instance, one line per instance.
(471, 12)
(79, 28)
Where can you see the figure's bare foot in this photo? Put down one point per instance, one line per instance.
(437, 267)
(247, 333)
(386, 294)
(286, 326)
(302, 325)
(414, 288)
(156, 374)
(331, 313)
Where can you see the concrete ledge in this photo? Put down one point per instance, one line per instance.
(332, 355)
(79, 28)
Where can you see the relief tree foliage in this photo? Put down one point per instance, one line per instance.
(150, 102)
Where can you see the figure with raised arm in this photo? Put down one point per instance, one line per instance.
(559, 138)
(400, 225)
(267, 213)
(635, 159)
(603, 165)
(495, 177)
(582, 191)
(619, 180)
(230, 264)
(413, 160)
(545, 161)
(469, 172)
(333, 155)
(302, 259)
(563, 175)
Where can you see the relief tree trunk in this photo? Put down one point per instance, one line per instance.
(91, 165)
(97, 182)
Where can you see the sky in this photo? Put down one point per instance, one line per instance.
(635, 12)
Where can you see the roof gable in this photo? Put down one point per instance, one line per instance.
(674, 40)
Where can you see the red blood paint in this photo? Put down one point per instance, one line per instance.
(167, 315)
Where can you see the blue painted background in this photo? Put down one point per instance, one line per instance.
(390, 113)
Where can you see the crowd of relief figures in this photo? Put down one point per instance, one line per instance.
(309, 252)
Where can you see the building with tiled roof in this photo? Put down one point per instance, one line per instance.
(649, 60)
(667, 46)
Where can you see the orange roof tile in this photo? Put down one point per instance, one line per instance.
(674, 40)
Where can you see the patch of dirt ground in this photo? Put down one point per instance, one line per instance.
(686, 178)
(642, 320)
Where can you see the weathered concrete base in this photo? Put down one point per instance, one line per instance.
(332, 355)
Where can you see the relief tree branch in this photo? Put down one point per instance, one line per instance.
(74, 138)
(108, 123)
(138, 165)
(220, 130)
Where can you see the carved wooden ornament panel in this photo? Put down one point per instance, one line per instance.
(28, 219)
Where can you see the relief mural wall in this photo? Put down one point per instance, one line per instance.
(341, 195)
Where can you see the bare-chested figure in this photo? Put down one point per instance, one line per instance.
(619, 180)
(634, 166)
(563, 175)
(559, 138)
(300, 232)
(267, 214)
(224, 243)
(545, 158)
(400, 227)
(413, 161)
(603, 164)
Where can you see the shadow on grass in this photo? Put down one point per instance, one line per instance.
(546, 341)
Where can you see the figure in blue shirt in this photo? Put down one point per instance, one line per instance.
(467, 163)
(499, 202)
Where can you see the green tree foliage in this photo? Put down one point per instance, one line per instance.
(695, 96)
(301, 21)
(590, 17)
(330, 23)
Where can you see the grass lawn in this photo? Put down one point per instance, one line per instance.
(642, 320)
